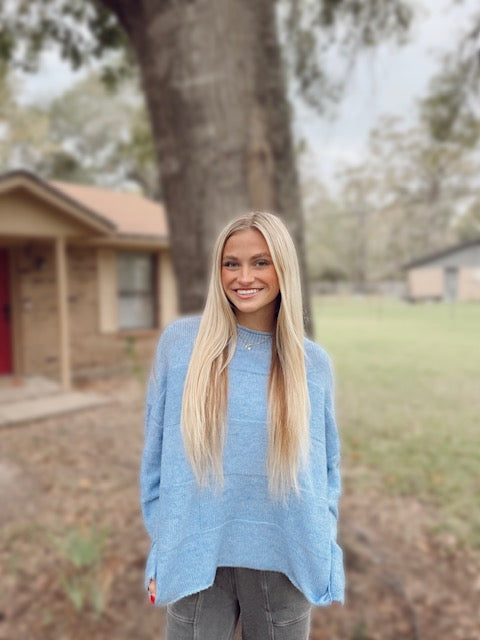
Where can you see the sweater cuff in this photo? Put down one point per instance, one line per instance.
(150, 566)
(337, 577)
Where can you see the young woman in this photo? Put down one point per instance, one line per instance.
(240, 475)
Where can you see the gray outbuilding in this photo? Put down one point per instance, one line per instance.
(450, 274)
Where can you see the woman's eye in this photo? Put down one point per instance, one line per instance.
(258, 263)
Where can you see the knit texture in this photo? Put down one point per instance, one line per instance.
(193, 530)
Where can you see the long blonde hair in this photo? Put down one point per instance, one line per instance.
(205, 401)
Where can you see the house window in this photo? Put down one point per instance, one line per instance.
(136, 290)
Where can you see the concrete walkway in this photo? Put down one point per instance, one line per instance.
(34, 398)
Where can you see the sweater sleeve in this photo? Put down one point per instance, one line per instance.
(151, 455)
(337, 579)
(333, 451)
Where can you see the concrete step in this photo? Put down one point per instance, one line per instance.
(29, 409)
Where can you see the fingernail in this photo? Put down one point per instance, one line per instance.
(152, 598)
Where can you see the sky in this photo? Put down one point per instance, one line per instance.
(388, 81)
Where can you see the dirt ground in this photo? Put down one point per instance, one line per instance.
(81, 471)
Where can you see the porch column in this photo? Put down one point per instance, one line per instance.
(168, 289)
(62, 305)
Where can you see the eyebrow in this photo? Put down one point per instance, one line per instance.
(257, 255)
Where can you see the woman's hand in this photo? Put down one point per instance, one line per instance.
(152, 590)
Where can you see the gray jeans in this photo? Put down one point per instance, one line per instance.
(272, 608)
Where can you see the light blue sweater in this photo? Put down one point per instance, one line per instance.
(193, 531)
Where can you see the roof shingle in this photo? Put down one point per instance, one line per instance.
(132, 213)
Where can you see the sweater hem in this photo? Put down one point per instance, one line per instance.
(242, 544)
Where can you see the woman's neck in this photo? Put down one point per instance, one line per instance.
(256, 324)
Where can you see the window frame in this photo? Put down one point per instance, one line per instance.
(153, 289)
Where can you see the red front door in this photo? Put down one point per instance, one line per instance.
(5, 334)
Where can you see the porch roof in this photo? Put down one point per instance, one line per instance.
(419, 262)
(113, 214)
(130, 213)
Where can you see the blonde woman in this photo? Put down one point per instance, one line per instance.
(240, 475)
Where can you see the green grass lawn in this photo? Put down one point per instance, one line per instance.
(408, 400)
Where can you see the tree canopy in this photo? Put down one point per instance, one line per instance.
(92, 30)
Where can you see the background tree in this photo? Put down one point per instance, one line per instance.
(451, 110)
(411, 194)
(215, 89)
(416, 190)
(88, 134)
(105, 134)
(467, 226)
(23, 129)
(326, 249)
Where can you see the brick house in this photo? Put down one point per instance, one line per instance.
(85, 272)
(451, 274)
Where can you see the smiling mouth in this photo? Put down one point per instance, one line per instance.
(246, 293)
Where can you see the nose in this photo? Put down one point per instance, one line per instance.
(246, 275)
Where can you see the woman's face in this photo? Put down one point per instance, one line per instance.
(249, 279)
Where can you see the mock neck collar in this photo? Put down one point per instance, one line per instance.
(254, 338)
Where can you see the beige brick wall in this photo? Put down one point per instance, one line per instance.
(425, 283)
(469, 284)
(92, 353)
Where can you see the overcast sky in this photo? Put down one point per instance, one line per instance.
(388, 81)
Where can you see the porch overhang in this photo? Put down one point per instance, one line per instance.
(33, 208)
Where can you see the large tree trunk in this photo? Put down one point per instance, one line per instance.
(213, 79)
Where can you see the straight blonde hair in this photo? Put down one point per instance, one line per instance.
(205, 401)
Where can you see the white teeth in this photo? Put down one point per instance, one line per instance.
(246, 291)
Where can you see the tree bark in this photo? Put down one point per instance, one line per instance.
(215, 90)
